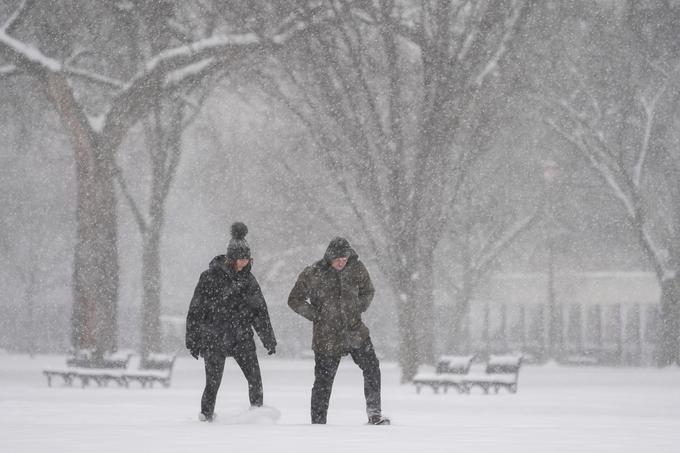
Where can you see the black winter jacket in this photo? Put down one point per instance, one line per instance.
(225, 308)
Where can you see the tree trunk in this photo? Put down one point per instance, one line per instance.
(151, 283)
(95, 268)
(457, 341)
(29, 332)
(165, 147)
(413, 283)
(423, 294)
(668, 351)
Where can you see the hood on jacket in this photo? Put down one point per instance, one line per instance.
(339, 247)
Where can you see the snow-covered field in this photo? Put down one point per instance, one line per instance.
(557, 409)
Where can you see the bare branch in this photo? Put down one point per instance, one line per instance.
(93, 77)
(503, 45)
(134, 207)
(302, 191)
(26, 56)
(581, 80)
(8, 70)
(494, 248)
(649, 107)
(17, 16)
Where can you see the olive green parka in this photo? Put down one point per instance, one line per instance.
(334, 300)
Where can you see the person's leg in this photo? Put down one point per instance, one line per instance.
(214, 368)
(246, 358)
(325, 368)
(365, 357)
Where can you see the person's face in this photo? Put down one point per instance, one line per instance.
(339, 263)
(241, 263)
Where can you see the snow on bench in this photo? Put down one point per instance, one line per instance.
(155, 368)
(449, 372)
(87, 367)
(87, 358)
(502, 371)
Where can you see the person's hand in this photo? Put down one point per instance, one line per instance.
(271, 350)
(195, 353)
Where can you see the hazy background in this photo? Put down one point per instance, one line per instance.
(558, 167)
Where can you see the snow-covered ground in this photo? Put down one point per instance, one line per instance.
(557, 409)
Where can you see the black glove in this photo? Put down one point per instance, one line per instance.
(271, 350)
(195, 353)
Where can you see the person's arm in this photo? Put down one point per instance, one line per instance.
(195, 317)
(261, 321)
(366, 289)
(299, 296)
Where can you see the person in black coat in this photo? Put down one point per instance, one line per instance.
(227, 305)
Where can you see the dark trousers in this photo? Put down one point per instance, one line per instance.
(324, 374)
(246, 358)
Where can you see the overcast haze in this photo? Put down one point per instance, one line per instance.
(507, 170)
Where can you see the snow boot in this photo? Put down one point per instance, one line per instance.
(207, 418)
(378, 420)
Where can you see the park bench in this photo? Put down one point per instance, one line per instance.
(449, 372)
(87, 358)
(155, 368)
(501, 371)
(86, 367)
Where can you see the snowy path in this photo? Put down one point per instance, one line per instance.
(556, 410)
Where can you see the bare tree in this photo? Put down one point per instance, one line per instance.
(75, 57)
(615, 102)
(485, 224)
(34, 226)
(385, 92)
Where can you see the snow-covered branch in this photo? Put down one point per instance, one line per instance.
(580, 78)
(594, 158)
(9, 69)
(404, 28)
(22, 54)
(649, 110)
(190, 53)
(503, 44)
(93, 77)
(142, 223)
(493, 249)
(16, 16)
(659, 254)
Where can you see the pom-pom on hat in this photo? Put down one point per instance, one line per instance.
(238, 247)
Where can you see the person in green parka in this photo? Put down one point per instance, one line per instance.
(332, 294)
